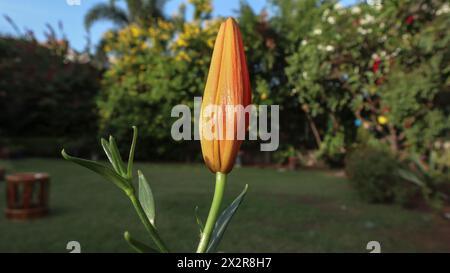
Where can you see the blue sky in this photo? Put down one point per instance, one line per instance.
(34, 14)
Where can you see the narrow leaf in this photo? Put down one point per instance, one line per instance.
(411, 177)
(416, 160)
(116, 154)
(224, 220)
(146, 198)
(131, 155)
(105, 145)
(101, 169)
(137, 245)
(199, 221)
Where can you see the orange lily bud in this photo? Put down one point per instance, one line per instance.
(227, 91)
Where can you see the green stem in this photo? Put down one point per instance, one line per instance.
(221, 180)
(150, 228)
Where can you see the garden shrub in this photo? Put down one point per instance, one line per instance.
(434, 185)
(151, 70)
(46, 94)
(382, 67)
(332, 149)
(332, 69)
(373, 174)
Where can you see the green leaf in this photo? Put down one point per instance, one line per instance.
(420, 167)
(101, 169)
(411, 177)
(146, 198)
(116, 154)
(199, 221)
(224, 220)
(109, 154)
(137, 245)
(131, 155)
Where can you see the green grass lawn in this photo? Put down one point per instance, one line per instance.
(304, 211)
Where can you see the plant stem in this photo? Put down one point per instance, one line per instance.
(150, 228)
(221, 180)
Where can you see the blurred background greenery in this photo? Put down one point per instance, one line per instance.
(301, 211)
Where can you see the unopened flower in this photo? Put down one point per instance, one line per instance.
(228, 84)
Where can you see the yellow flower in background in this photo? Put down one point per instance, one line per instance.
(210, 42)
(108, 35)
(164, 37)
(165, 25)
(191, 30)
(202, 6)
(183, 56)
(153, 32)
(135, 31)
(107, 48)
(181, 43)
(382, 120)
(144, 46)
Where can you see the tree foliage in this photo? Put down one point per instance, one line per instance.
(382, 67)
(137, 11)
(153, 69)
(46, 91)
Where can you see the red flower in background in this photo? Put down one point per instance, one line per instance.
(376, 65)
(410, 20)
